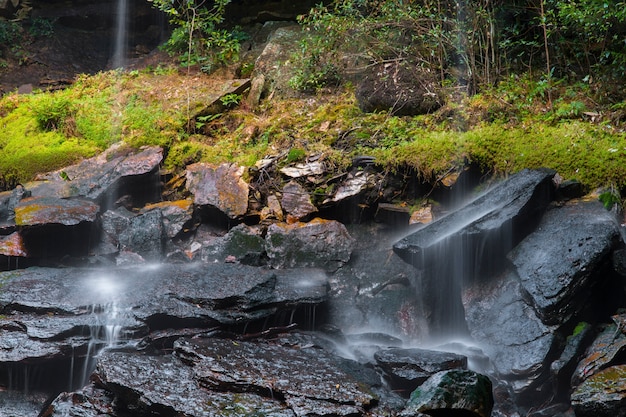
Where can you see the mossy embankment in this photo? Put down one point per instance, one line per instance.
(503, 130)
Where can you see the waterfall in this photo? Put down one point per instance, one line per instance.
(120, 44)
(105, 333)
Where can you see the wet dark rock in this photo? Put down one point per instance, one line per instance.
(493, 223)
(35, 211)
(518, 347)
(8, 201)
(449, 251)
(106, 177)
(318, 388)
(605, 351)
(16, 404)
(563, 368)
(176, 216)
(402, 88)
(373, 292)
(194, 295)
(296, 201)
(455, 391)
(602, 395)
(407, 369)
(143, 234)
(221, 187)
(559, 263)
(318, 244)
(90, 401)
(243, 243)
(163, 385)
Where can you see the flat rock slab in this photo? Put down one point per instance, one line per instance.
(34, 211)
(408, 368)
(492, 223)
(163, 385)
(310, 381)
(558, 263)
(45, 309)
(97, 177)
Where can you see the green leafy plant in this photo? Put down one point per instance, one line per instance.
(9, 31)
(51, 110)
(610, 198)
(40, 27)
(231, 100)
(198, 36)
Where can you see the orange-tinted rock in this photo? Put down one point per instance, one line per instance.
(51, 210)
(422, 215)
(176, 215)
(221, 187)
(12, 245)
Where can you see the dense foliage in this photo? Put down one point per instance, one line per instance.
(475, 42)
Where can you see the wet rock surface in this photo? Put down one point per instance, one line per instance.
(457, 391)
(104, 178)
(586, 233)
(319, 388)
(517, 348)
(202, 307)
(409, 368)
(503, 211)
(318, 243)
(603, 394)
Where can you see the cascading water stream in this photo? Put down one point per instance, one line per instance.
(105, 333)
(121, 35)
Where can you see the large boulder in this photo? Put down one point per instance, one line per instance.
(318, 244)
(493, 224)
(519, 348)
(562, 262)
(402, 88)
(106, 177)
(450, 252)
